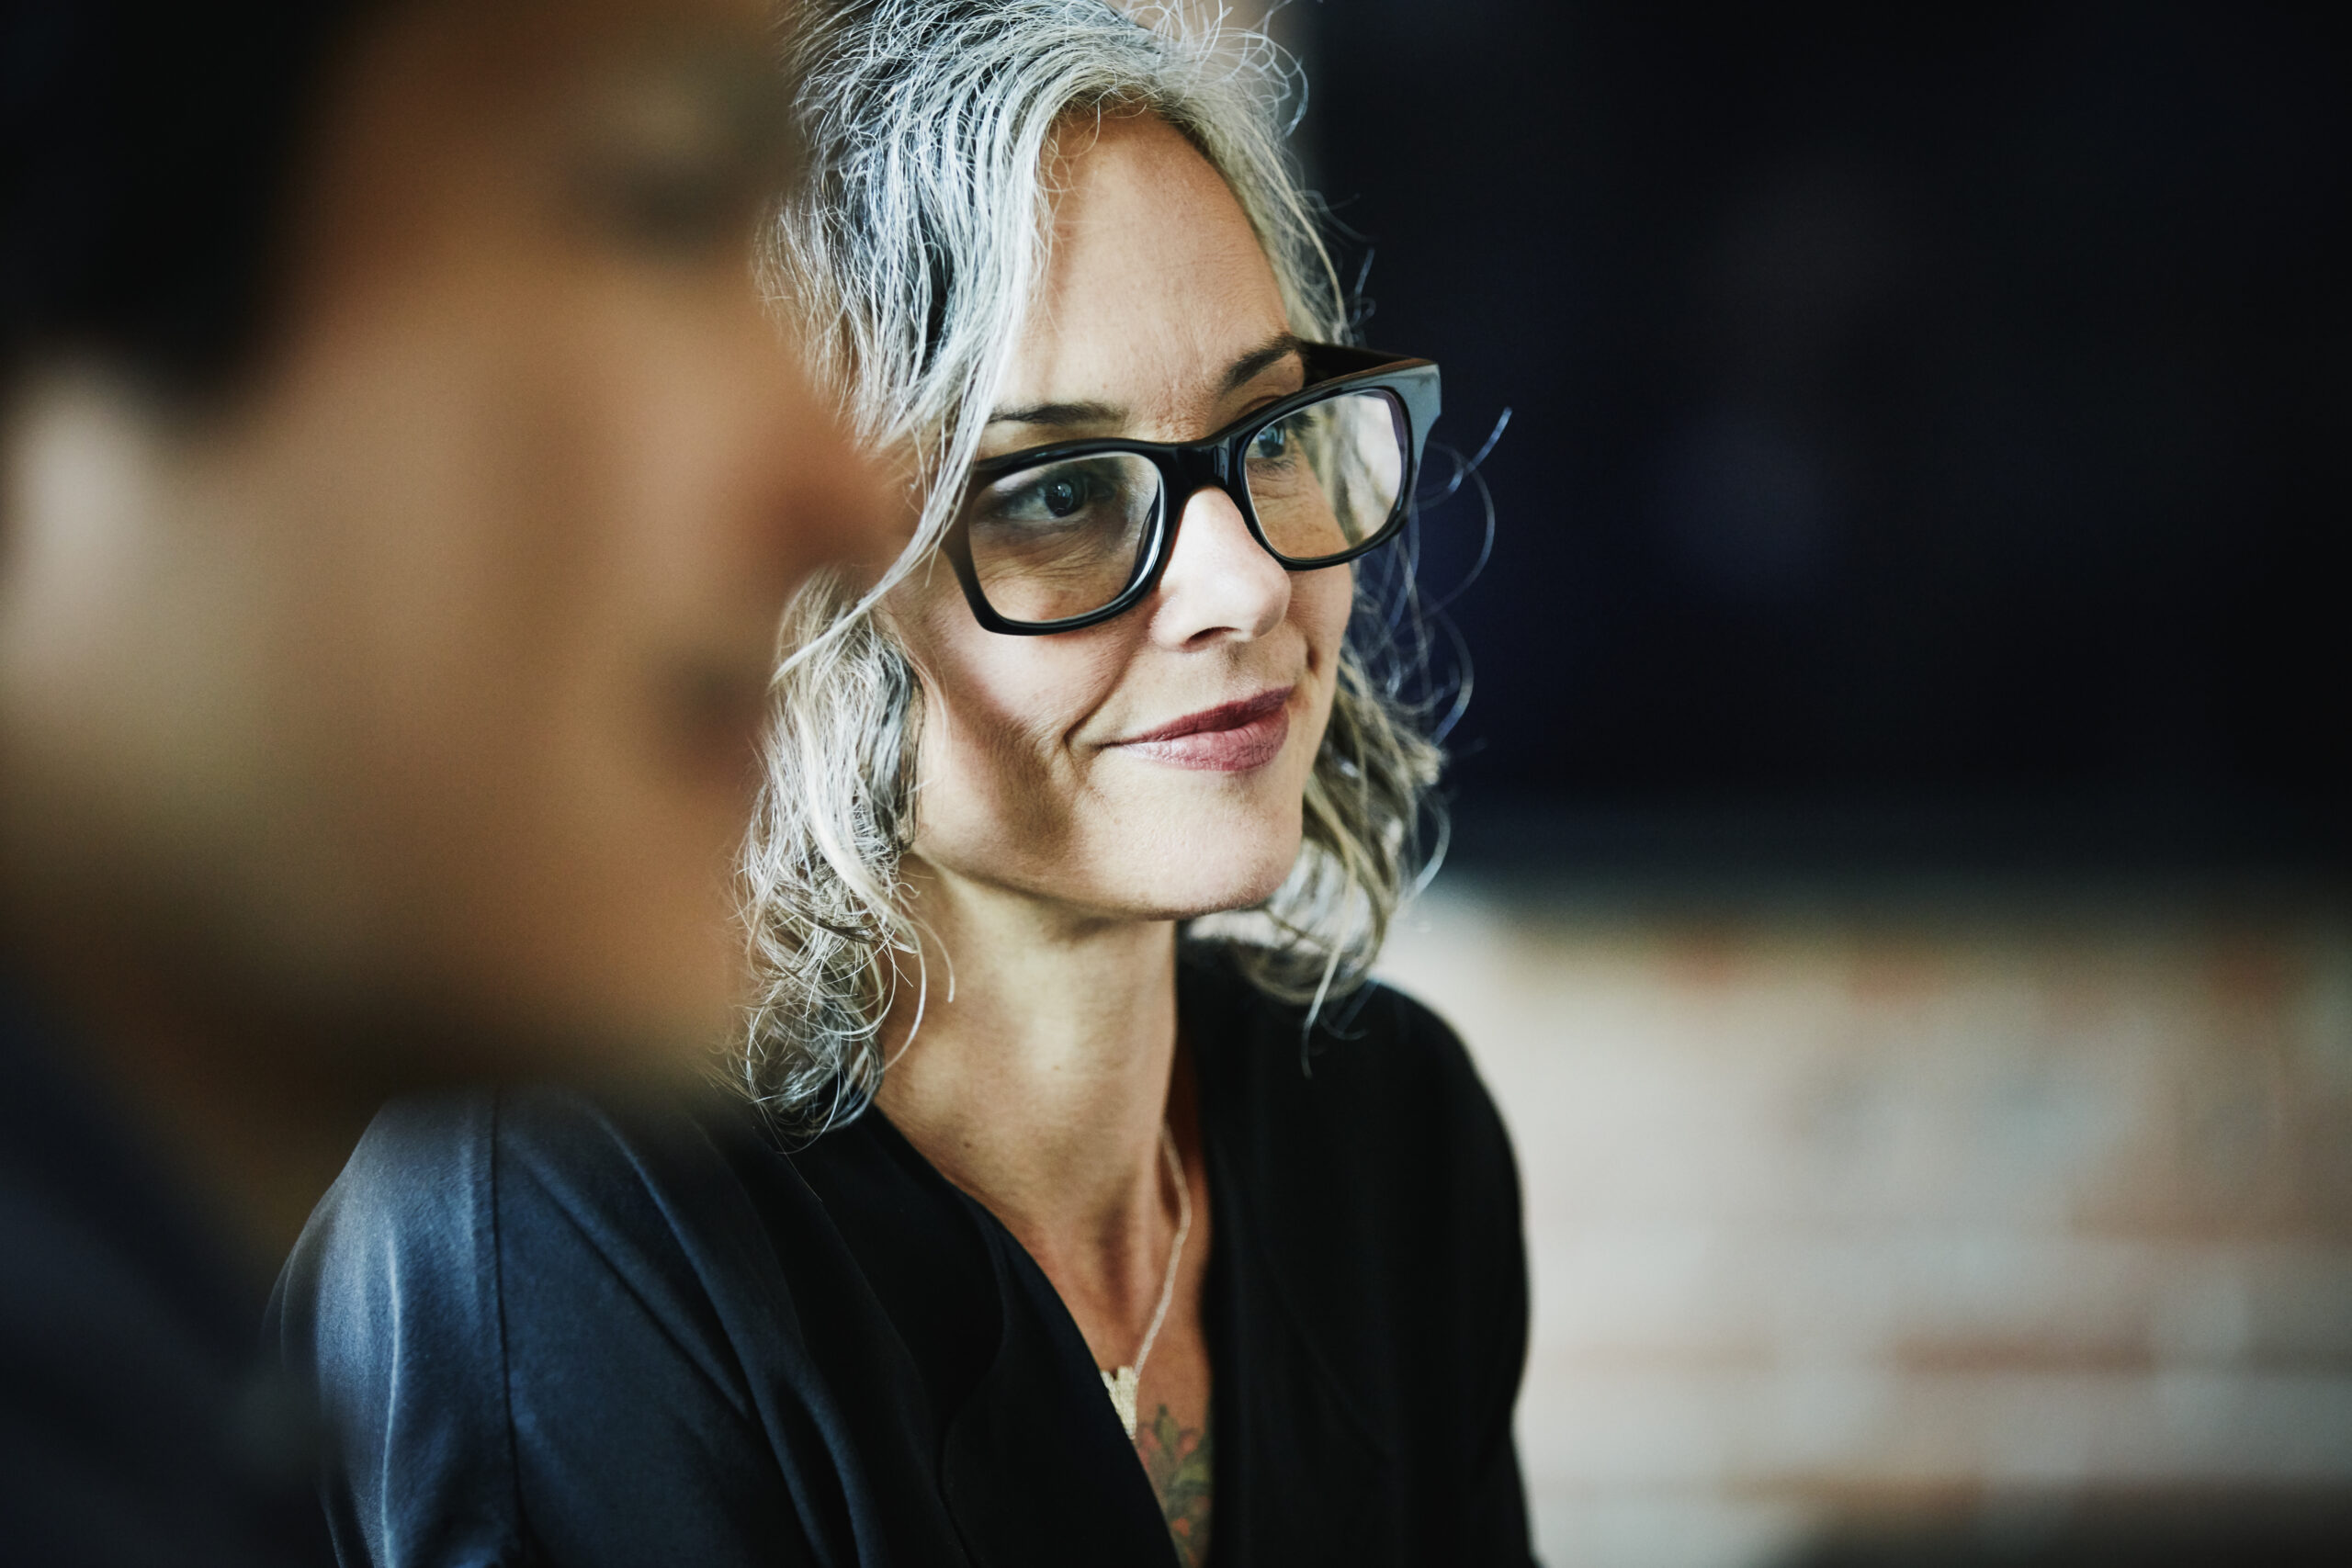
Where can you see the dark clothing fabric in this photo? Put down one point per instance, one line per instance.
(140, 1423)
(547, 1331)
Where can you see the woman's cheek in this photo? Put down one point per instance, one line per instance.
(1321, 604)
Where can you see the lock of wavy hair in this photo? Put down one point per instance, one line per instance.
(906, 252)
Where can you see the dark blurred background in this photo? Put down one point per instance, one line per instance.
(1931, 424)
(1898, 897)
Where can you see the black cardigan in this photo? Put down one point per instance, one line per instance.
(549, 1331)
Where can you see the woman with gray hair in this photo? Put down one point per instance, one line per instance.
(1051, 1230)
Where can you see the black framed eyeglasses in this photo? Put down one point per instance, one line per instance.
(1068, 536)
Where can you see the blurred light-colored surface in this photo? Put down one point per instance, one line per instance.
(1868, 1207)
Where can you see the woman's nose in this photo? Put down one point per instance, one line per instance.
(1219, 581)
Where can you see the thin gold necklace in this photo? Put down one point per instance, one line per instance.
(1122, 1384)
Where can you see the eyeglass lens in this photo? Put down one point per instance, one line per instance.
(1324, 478)
(1065, 538)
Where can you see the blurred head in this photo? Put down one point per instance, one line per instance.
(385, 628)
(1027, 223)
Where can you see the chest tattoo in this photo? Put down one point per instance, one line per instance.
(1177, 1458)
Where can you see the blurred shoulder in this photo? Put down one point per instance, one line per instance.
(434, 1154)
(428, 1165)
(416, 1185)
(443, 1189)
(412, 1150)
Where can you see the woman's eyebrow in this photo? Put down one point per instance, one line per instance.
(1240, 374)
(1275, 349)
(1060, 413)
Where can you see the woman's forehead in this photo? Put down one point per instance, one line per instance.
(1155, 283)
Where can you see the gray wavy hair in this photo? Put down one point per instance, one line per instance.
(908, 251)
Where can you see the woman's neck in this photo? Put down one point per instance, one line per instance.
(1038, 1079)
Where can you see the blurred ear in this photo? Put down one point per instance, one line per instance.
(80, 451)
(127, 724)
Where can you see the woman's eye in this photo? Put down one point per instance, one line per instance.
(1065, 494)
(1054, 497)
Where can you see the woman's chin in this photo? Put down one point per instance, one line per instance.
(1213, 886)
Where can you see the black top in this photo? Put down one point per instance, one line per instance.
(547, 1331)
(140, 1423)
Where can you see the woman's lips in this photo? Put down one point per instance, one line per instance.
(1231, 738)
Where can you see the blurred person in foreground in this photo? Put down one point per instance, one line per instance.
(403, 483)
(1045, 1233)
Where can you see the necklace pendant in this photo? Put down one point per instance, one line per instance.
(1120, 1386)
